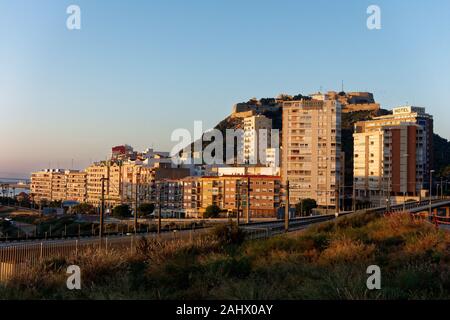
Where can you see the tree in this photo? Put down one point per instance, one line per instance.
(305, 206)
(121, 211)
(212, 211)
(145, 209)
(83, 208)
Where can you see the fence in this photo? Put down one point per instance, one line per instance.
(14, 257)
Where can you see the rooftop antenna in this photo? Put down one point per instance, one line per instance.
(320, 89)
(72, 164)
(342, 85)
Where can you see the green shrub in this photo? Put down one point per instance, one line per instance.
(212, 211)
(121, 211)
(228, 234)
(232, 267)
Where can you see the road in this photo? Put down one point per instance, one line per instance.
(255, 230)
(36, 250)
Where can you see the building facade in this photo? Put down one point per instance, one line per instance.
(415, 115)
(230, 193)
(76, 186)
(125, 182)
(311, 150)
(52, 185)
(257, 131)
(389, 162)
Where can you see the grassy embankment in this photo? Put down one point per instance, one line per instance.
(327, 261)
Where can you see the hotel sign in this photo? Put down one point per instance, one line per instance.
(408, 109)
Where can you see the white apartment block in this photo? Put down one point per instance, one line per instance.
(257, 131)
(311, 150)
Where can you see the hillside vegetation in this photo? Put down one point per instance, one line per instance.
(327, 261)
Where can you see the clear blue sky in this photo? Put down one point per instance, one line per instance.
(139, 69)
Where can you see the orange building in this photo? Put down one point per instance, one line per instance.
(230, 192)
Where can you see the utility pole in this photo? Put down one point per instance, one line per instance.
(388, 206)
(286, 209)
(238, 189)
(404, 201)
(102, 206)
(301, 207)
(354, 195)
(326, 186)
(136, 203)
(338, 193)
(431, 191)
(159, 207)
(248, 200)
(442, 185)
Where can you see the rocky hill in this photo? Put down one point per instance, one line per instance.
(441, 146)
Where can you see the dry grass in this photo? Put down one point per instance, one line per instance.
(327, 261)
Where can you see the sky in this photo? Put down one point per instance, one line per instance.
(137, 70)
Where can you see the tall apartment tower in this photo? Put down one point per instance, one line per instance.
(389, 161)
(311, 150)
(256, 132)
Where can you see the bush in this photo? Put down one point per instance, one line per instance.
(145, 209)
(229, 234)
(121, 211)
(212, 211)
(232, 267)
(83, 208)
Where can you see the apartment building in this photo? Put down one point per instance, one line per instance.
(191, 196)
(389, 161)
(410, 114)
(169, 194)
(50, 184)
(137, 183)
(257, 131)
(125, 182)
(41, 185)
(246, 170)
(111, 172)
(311, 150)
(76, 186)
(231, 192)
